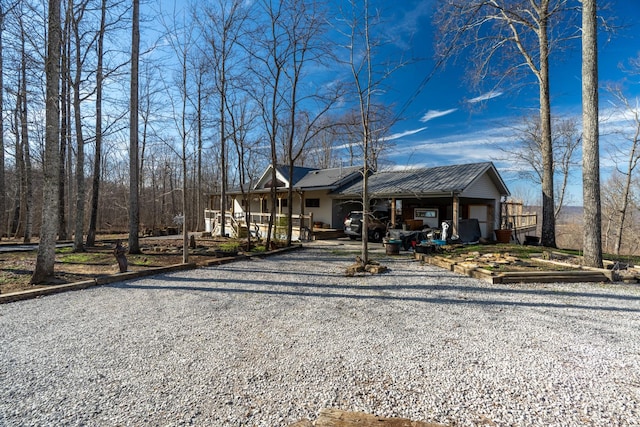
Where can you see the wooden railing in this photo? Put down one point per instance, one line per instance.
(523, 220)
(259, 224)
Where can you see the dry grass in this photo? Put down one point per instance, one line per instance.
(16, 268)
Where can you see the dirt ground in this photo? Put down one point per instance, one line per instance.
(16, 268)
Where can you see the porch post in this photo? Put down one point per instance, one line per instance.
(301, 195)
(456, 215)
(393, 212)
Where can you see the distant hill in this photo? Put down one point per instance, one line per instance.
(569, 214)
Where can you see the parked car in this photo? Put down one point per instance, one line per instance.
(377, 225)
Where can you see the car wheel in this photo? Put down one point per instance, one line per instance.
(353, 237)
(376, 235)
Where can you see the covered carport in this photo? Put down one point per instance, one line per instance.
(426, 197)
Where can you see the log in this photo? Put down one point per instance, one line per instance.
(336, 418)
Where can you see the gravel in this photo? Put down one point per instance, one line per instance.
(267, 342)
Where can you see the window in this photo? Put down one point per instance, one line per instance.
(425, 213)
(311, 203)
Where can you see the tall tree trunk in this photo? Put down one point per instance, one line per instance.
(17, 230)
(78, 235)
(185, 233)
(172, 190)
(134, 207)
(223, 158)
(97, 166)
(46, 250)
(592, 231)
(548, 238)
(3, 191)
(199, 207)
(28, 174)
(26, 151)
(185, 228)
(65, 120)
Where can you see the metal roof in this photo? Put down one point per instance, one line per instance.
(425, 181)
(328, 178)
(299, 172)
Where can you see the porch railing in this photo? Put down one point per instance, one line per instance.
(520, 221)
(259, 224)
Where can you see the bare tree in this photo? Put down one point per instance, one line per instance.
(304, 33)
(97, 159)
(201, 97)
(65, 122)
(626, 155)
(565, 137)
(44, 268)
(614, 199)
(368, 78)
(241, 117)
(134, 173)
(320, 152)
(26, 195)
(362, 71)
(591, 137)
(3, 194)
(224, 25)
(182, 42)
(76, 16)
(103, 73)
(270, 57)
(516, 36)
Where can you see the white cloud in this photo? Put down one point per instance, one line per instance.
(475, 145)
(432, 114)
(484, 97)
(405, 133)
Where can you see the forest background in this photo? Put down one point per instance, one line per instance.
(227, 87)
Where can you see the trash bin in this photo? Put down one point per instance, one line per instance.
(392, 247)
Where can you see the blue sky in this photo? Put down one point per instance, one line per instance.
(445, 123)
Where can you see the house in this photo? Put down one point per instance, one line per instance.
(311, 197)
(416, 197)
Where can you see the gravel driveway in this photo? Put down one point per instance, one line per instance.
(266, 342)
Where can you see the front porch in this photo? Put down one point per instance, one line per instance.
(236, 225)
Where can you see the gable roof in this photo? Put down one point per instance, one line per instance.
(427, 181)
(282, 174)
(299, 172)
(328, 179)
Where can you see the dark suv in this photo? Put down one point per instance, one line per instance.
(377, 225)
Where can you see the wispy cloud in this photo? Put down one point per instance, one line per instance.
(476, 145)
(432, 114)
(405, 133)
(407, 23)
(485, 97)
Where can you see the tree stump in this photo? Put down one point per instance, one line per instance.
(359, 266)
(119, 252)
